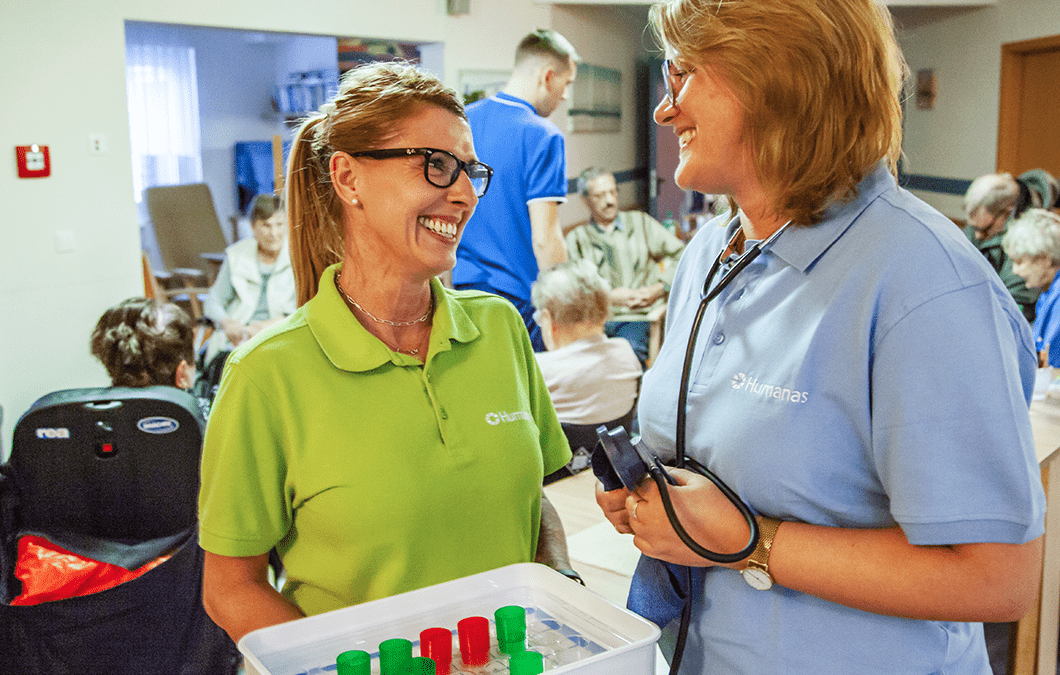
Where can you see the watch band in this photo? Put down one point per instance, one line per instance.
(572, 575)
(757, 571)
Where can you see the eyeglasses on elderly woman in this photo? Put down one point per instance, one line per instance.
(440, 168)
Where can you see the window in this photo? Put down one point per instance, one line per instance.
(163, 115)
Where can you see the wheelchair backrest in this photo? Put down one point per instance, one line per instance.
(113, 463)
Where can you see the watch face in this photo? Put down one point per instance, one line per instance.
(758, 579)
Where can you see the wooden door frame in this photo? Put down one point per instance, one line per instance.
(1011, 94)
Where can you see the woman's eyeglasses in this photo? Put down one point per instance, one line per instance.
(440, 168)
(674, 77)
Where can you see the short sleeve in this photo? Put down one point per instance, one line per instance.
(546, 168)
(555, 450)
(243, 507)
(951, 432)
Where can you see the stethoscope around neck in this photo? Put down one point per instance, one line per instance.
(683, 462)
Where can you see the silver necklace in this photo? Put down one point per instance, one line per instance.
(373, 317)
(410, 352)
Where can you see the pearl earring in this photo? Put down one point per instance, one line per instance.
(353, 201)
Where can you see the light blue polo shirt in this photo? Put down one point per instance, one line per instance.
(866, 371)
(526, 152)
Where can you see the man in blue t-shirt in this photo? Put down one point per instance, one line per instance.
(515, 231)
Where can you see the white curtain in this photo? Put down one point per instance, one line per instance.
(163, 114)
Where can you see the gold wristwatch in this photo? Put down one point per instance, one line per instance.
(757, 571)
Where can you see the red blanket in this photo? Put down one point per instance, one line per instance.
(49, 572)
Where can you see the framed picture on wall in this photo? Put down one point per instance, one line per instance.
(596, 99)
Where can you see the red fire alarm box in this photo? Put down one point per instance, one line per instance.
(33, 161)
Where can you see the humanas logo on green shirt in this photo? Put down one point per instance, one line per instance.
(493, 419)
(753, 386)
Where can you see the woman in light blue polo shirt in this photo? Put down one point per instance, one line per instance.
(863, 384)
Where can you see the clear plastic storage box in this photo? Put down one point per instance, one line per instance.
(576, 629)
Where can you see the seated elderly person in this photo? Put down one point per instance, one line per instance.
(629, 249)
(1038, 189)
(1033, 244)
(591, 378)
(255, 285)
(989, 204)
(144, 342)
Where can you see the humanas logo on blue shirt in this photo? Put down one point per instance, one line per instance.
(751, 385)
(495, 418)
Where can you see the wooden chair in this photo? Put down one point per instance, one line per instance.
(187, 229)
(180, 289)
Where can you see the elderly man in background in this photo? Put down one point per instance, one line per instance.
(634, 252)
(989, 204)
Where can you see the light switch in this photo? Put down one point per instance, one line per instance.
(65, 241)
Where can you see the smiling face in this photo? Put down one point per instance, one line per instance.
(401, 224)
(709, 124)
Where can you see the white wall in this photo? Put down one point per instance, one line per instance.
(958, 138)
(64, 74)
(617, 151)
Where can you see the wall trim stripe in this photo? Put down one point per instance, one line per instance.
(946, 186)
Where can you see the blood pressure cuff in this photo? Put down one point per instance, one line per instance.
(659, 589)
(603, 469)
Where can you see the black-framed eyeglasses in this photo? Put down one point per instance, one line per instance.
(674, 78)
(440, 168)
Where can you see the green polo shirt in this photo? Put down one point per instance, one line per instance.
(373, 474)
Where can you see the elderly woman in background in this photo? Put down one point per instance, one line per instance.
(989, 205)
(1033, 244)
(591, 378)
(144, 342)
(828, 386)
(255, 285)
(391, 434)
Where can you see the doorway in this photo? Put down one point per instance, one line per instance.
(1029, 113)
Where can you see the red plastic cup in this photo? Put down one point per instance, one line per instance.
(437, 645)
(474, 633)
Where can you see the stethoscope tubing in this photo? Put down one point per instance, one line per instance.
(681, 461)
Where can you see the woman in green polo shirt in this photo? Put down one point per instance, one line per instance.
(391, 434)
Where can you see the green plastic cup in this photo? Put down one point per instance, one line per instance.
(526, 662)
(511, 628)
(394, 655)
(419, 665)
(354, 662)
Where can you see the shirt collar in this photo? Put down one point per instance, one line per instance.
(510, 100)
(350, 347)
(800, 246)
(618, 223)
